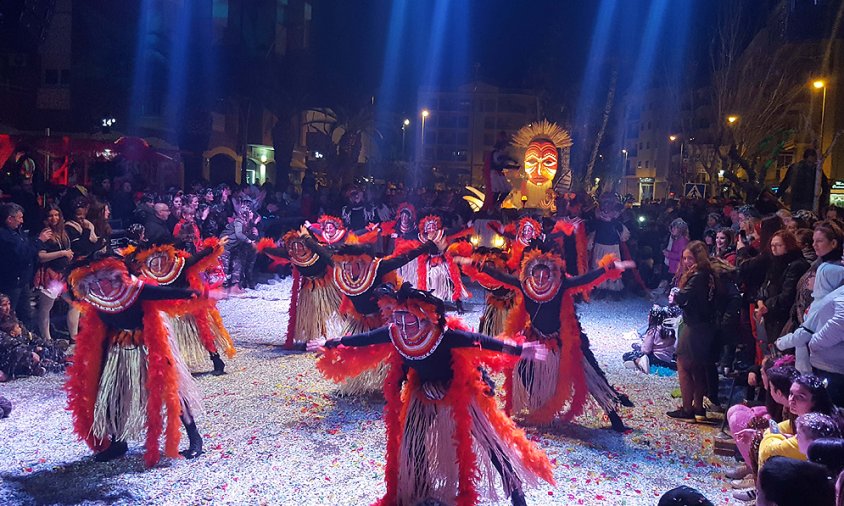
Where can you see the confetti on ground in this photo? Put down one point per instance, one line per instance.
(276, 434)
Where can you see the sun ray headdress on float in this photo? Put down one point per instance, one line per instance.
(542, 142)
(446, 438)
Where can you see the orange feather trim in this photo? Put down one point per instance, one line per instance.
(162, 386)
(460, 234)
(517, 251)
(83, 376)
(610, 273)
(126, 250)
(207, 263)
(466, 387)
(365, 238)
(393, 426)
(422, 272)
(460, 249)
(571, 379)
(344, 362)
(263, 244)
(388, 227)
(563, 226)
(581, 245)
(404, 246)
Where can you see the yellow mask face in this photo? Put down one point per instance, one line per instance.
(541, 162)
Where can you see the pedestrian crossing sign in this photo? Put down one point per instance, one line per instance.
(695, 191)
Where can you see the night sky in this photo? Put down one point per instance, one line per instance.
(536, 44)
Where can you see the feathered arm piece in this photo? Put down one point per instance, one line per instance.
(268, 247)
(388, 227)
(206, 263)
(563, 226)
(465, 232)
(344, 362)
(585, 283)
(367, 237)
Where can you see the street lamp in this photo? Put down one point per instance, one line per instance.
(732, 119)
(624, 152)
(672, 138)
(425, 114)
(819, 84)
(404, 125)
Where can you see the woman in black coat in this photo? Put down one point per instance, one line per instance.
(696, 296)
(779, 290)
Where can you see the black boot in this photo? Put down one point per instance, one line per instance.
(115, 450)
(219, 365)
(195, 448)
(459, 304)
(617, 423)
(517, 498)
(625, 401)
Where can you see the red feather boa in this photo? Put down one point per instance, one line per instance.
(162, 382)
(162, 385)
(83, 376)
(393, 427)
(294, 307)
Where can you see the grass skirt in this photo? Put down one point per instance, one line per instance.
(317, 311)
(440, 282)
(495, 315)
(189, 344)
(121, 406)
(600, 251)
(535, 381)
(428, 458)
(409, 273)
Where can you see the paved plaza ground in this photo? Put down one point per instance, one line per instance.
(275, 433)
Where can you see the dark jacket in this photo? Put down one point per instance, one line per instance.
(779, 289)
(800, 177)
(17, 258)
(156, 231)
(697, 299)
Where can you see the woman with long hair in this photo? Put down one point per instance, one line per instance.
(99, 214)
(695, 294)
(725, 248)
(54, 255)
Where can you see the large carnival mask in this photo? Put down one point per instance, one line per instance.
(332, 229)
(300, 253)
(541, 276)
(355, 274)
(162, 265)
(528, 232)
(405, 221)
(107, 288)
(431, 228)
(541, 162)
(414, 337)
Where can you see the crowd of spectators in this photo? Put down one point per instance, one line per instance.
(751, 293)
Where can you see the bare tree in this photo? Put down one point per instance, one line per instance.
(587, 178)
(759, 81)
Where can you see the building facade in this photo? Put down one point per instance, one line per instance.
(461, 127)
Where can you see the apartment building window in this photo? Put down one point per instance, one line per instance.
(648, 145)
(489, 123)
(641, 146)
(647, 164)
(51, 77)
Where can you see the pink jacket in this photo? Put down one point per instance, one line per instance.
(674, 253)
